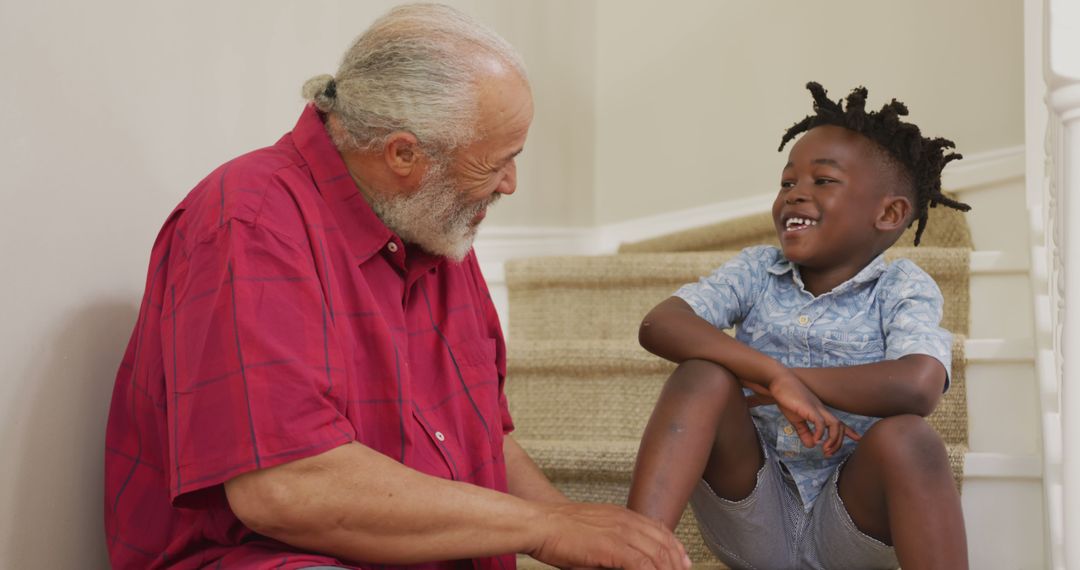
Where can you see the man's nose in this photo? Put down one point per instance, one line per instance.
(508, 184)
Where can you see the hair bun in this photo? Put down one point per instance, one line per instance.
(322, 90)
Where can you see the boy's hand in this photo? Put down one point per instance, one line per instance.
(802, 408)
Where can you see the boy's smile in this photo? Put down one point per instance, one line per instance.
(833, 192)
(796, 224)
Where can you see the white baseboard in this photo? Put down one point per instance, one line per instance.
(982, 465)
(985, 350)
(609, 236)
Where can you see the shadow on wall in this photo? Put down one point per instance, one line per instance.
(59, 447)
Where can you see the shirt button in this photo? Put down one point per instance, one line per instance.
(789, 430)
(789, 454)
(803, 319)
(392, 247)
(439, 436)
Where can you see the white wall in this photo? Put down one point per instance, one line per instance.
(692, 100)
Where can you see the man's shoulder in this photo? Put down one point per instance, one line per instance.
(264, 187)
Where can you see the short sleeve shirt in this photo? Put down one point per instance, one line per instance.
(282, 319)
(884, 312)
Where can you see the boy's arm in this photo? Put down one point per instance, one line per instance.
(672, 330)
(912, 384)
(913, 375)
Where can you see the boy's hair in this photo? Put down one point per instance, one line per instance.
(921, 158)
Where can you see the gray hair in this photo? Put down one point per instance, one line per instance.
(415, 70)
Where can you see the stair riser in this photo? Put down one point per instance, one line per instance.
(558, 406)
(576, 305)
(616, 492)
(561, 404)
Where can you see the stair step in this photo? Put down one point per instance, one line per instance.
(596, 463)
(605, 297)
(577, 390)
(525, 562)
(600, 471)
(605, 462)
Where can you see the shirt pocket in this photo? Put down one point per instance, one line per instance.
(851, 349)
(475, 352)
(479, 375)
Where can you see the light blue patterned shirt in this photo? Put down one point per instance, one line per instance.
(884, 312)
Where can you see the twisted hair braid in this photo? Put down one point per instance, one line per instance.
(921, 158)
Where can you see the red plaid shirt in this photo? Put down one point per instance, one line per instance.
(282, 319)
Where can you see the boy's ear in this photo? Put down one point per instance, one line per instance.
(894, 214)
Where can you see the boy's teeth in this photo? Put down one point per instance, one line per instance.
(791, 222)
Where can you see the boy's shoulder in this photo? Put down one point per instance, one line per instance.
(764, 255)
(904, 269)
(903, 278)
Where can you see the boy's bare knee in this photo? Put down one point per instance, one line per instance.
(705, 377)
(906, 442)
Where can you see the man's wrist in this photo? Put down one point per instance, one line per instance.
(536, 521)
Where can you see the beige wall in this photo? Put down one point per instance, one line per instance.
(556, 172)
(692, 99)
(112, 111)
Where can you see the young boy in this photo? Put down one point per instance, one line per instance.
(800, 442)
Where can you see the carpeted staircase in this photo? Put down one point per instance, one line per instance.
(581, 389)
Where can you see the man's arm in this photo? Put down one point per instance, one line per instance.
(357, 504)
(524, 479)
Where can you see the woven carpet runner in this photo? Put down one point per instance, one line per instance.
(581, 389)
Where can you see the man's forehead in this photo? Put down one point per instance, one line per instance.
(505, 106)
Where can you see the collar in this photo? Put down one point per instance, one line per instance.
(364, 231)
(871, 272)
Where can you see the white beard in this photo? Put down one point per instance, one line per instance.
(435, 217)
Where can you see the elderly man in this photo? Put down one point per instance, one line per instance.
(316, 375)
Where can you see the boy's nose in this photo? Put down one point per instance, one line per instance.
(797, 193)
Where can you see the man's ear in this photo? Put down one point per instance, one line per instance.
(402, 154)
(894, 213)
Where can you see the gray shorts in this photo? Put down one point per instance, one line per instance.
(770, 530)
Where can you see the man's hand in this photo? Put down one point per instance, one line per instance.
(606, 536)
(801, 407)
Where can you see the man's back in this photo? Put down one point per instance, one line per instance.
(283, 319)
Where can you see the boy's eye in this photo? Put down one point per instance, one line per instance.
(787, 183)
(823, 181)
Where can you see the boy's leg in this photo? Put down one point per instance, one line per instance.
(898, 488)
(700, 426)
